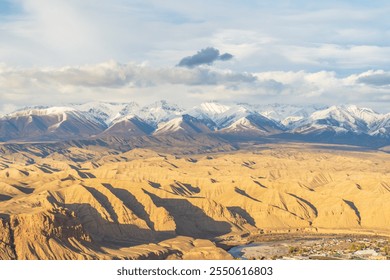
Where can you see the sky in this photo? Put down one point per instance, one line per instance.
(55, 52)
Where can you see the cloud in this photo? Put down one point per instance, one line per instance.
(281, 51)
(113, 75)
(117, 82)
(205, 56)
(110, 80)
(276, 36)
(225, 56)
(375, 78)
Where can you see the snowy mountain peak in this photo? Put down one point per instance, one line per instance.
(340, 119)
(129, 126)
(163, 104)
(186, 124)
(338, 113)
(160, 111)
(213, 108)
(41, 111)
(161, 117)
(242, 124)
(107, 111)
(254, 123)
(348, 113)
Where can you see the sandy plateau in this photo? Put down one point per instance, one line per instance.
(97, 203)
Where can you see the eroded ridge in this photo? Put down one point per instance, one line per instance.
(94, 202)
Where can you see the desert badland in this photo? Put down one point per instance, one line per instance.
(120, 200)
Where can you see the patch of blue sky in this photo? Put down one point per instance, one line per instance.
(159, 13)
(8, 8)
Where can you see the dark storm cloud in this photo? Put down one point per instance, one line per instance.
(205, 56)
(225, 56)
(377, 79)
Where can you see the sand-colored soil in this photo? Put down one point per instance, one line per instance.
(140, 204)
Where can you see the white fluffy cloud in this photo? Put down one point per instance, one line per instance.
(114, 75)
(112, 81)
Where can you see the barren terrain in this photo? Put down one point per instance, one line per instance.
(298, 246)
(96, 202)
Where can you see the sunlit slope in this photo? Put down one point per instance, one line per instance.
(101, 204)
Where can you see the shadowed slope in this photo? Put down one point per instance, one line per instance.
(96, 202)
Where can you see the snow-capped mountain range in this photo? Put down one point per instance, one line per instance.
(95, 119)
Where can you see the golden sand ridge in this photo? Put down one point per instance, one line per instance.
(141, 204)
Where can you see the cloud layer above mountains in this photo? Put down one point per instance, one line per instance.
(112, 81)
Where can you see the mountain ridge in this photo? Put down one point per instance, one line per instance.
(94, 119)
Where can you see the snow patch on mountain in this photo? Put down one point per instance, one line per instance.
(186, 124)
(108, 112)
(41, 111)
(162, 117)
(213, 108)
(160, 111)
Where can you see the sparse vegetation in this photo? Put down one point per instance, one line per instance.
(293, 250)
(386, 250)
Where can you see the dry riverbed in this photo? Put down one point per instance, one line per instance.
(320, 247)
